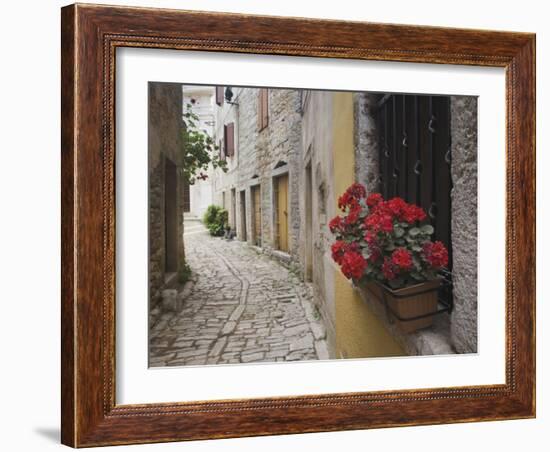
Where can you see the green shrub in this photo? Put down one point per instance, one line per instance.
(210, 215)
(184, 273)
(215, 219)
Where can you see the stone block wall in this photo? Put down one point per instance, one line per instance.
(164, 142)
(317, 153)
(257, 154)
(464, 222)
(300, 136)
(460, 334)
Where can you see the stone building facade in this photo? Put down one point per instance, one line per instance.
(260, 189)
(323, 141)
(166, 253)
(341, 145)
(464, 223)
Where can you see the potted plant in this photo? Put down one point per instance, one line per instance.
(386, 245)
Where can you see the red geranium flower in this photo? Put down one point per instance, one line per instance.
(402, 259)
(370, 238)
(372, 223)
(352, 196)
(335, 224)
(353, 265)
(357, 191)
(338, 249)
(435, 254)
(378, 222)
(372, 226)
(353, 214)
(386, 223)
(373, 199)
(412, 213)
(396, 206)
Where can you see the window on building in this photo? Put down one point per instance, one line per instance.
(263, 108)
(219, 95)
(229, 139)
(186, 197)
(415, 156)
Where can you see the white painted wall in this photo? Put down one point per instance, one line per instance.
(201, 97)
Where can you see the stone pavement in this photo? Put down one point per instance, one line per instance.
(243, 307)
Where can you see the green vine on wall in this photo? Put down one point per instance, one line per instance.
(198, 150)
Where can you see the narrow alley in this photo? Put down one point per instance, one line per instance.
(242, 307)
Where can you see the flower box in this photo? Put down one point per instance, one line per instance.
(388, 242)
(411, 307)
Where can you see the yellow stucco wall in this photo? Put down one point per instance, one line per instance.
(359, 333)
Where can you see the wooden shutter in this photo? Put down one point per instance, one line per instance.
(219, 95)
(263, 108)
(225, 140)
(229, 139)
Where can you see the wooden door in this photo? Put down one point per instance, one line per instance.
(257, 223)
(282, 212)
(233, 219)
(243, 216)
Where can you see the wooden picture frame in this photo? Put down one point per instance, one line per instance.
(90, 36)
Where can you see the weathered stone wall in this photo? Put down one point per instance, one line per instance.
(460, 334)
(464, 222)
(366, 141)
(223, 182)
(257, 154)
(164, 139)
(278, 143)
(299, 137)
(317, 152)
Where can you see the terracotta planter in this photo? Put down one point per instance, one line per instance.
(409, 302)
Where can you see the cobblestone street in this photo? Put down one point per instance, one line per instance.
(240, 307)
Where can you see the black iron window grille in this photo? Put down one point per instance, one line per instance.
(415, 159)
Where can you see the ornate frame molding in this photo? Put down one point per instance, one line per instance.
(90, 36)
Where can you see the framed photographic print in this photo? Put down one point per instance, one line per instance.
(281, 225)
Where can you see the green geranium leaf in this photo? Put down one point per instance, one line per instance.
(427, 229)
(398, 231)
(413, 232)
